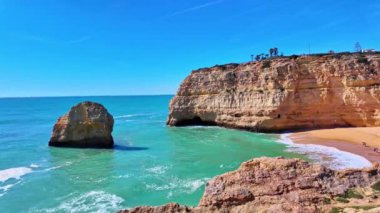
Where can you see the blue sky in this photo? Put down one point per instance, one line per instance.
(133, 47)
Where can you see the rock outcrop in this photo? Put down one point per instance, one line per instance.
(86, 125)
(282, 185)
(285, 93)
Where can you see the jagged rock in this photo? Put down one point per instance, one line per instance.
(86, 125)
(291, 185)
(171, 207)
(304, 93)
(275, 185)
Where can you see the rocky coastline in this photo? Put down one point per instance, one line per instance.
(284, 185)
(277, 95)
(283, 94)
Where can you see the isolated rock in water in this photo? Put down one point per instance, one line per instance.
(281, 185)
(87, 124)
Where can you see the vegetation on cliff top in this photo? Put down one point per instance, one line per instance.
(361, 58)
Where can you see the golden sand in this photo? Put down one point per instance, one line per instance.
(346, 139)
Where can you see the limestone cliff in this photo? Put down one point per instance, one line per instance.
(286, 93)
(284, 185)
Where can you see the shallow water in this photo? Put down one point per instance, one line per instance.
(328, 156)
(151, 164)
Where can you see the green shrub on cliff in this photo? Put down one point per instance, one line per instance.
(351, 193)
(342, 200)
(376, 186)
(362, 60)
(326, 201)
(266, 64)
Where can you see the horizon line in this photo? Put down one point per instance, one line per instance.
(83, 96)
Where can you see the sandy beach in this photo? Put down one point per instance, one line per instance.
(345, 139)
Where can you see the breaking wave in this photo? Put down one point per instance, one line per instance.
(9, 174)
(330, 157)
(183, 186)
(93, 201)
(14, 173)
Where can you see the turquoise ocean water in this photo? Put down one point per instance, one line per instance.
(151, 164)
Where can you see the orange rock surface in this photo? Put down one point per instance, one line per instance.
(281, 185)
(86, 125)
(308, 92)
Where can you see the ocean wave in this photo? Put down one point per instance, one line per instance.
(135, 115)
(4, 189)
(330, 157)
(176, 184)
(57, 167)
(93, 201)
(14, 173)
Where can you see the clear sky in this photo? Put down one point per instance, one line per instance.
(132, 47)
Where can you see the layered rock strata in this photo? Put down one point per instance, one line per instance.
(280, 185)
(287, 93)
(86, 125)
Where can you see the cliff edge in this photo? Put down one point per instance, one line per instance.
(284, 93)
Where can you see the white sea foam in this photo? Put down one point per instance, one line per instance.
(158, 170)
(7, 187)
(328, 156)
(34, 165)
(14, 173)
(4, 189)
(134, 115)
(170, 195)
(192, 186)
(52, 168)
(57, 167)
(93, 201)
(124, 116)
(183, 186)
(201, 127)
(121, 176)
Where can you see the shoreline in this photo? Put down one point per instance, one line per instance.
(344, 139)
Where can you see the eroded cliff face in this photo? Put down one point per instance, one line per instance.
(283, 185)
(287, 94)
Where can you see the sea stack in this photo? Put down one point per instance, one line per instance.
(86, 125)
(283, 94)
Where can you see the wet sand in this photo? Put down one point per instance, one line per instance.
(345, 139)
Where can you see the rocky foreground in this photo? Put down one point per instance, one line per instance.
(285, 185)
(86, 125)
(287, 93)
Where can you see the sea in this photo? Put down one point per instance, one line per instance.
(151, 163)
